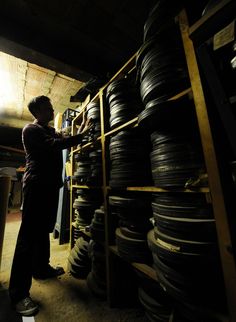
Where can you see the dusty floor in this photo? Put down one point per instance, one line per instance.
(61, 299)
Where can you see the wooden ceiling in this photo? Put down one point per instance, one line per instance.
(20, 81)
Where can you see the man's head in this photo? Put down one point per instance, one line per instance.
(41, 108)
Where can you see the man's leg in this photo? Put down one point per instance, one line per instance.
(41, 256)
(21, 272)
(41, 259)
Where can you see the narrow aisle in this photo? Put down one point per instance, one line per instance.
(60, 299)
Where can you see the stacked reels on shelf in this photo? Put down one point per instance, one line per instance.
(185, 252)
(85, 205)
(183, 241)
(96, 279)
(123, 100)
(93, 113)
(160, 18)
(158, 305)
(176, 157)
(184, 215)
(95, 158)
(133, 214)
(79, 263)
(82, 171)
(88, 168)
(130, 165)
(161, 66)
(97, 228)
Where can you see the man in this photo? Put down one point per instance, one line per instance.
(41, 183)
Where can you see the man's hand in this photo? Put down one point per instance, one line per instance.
(85, 126)
(66, 131)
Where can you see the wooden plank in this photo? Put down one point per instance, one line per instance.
(181, 94)
(156, 189)
(144, 268)
(222, 226)
(123, 126)
(147, 270)
(110, 276)
(87, 145)
(76, 186)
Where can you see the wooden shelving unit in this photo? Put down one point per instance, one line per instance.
(215, 184)
(214, 192)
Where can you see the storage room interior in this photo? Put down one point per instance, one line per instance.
(145, 224)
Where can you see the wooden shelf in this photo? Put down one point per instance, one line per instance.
(76, 186)
(213, 194)
(181, 94)
(87, 145)
(130, 123)
(156, 189)
(144, 268)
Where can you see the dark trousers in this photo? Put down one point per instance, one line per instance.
(32, 252)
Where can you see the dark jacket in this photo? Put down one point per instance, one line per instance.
(43, 147)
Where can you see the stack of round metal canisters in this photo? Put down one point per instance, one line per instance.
(185, 253)
(176, 156)
(161, 66)
(124, 101)
(129, 159)
(158, 305)
(79, 263)
(93, 113)
(88, 166)
(85, 204)
(96, 279)
(133, 213)
(97, 226)
(183, 241)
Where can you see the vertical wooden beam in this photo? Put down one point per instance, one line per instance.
(222, 226)
(104, 190)
(71, 183)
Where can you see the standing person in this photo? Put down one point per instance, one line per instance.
(41, 183)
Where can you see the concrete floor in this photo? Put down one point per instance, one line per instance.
(61, 299)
